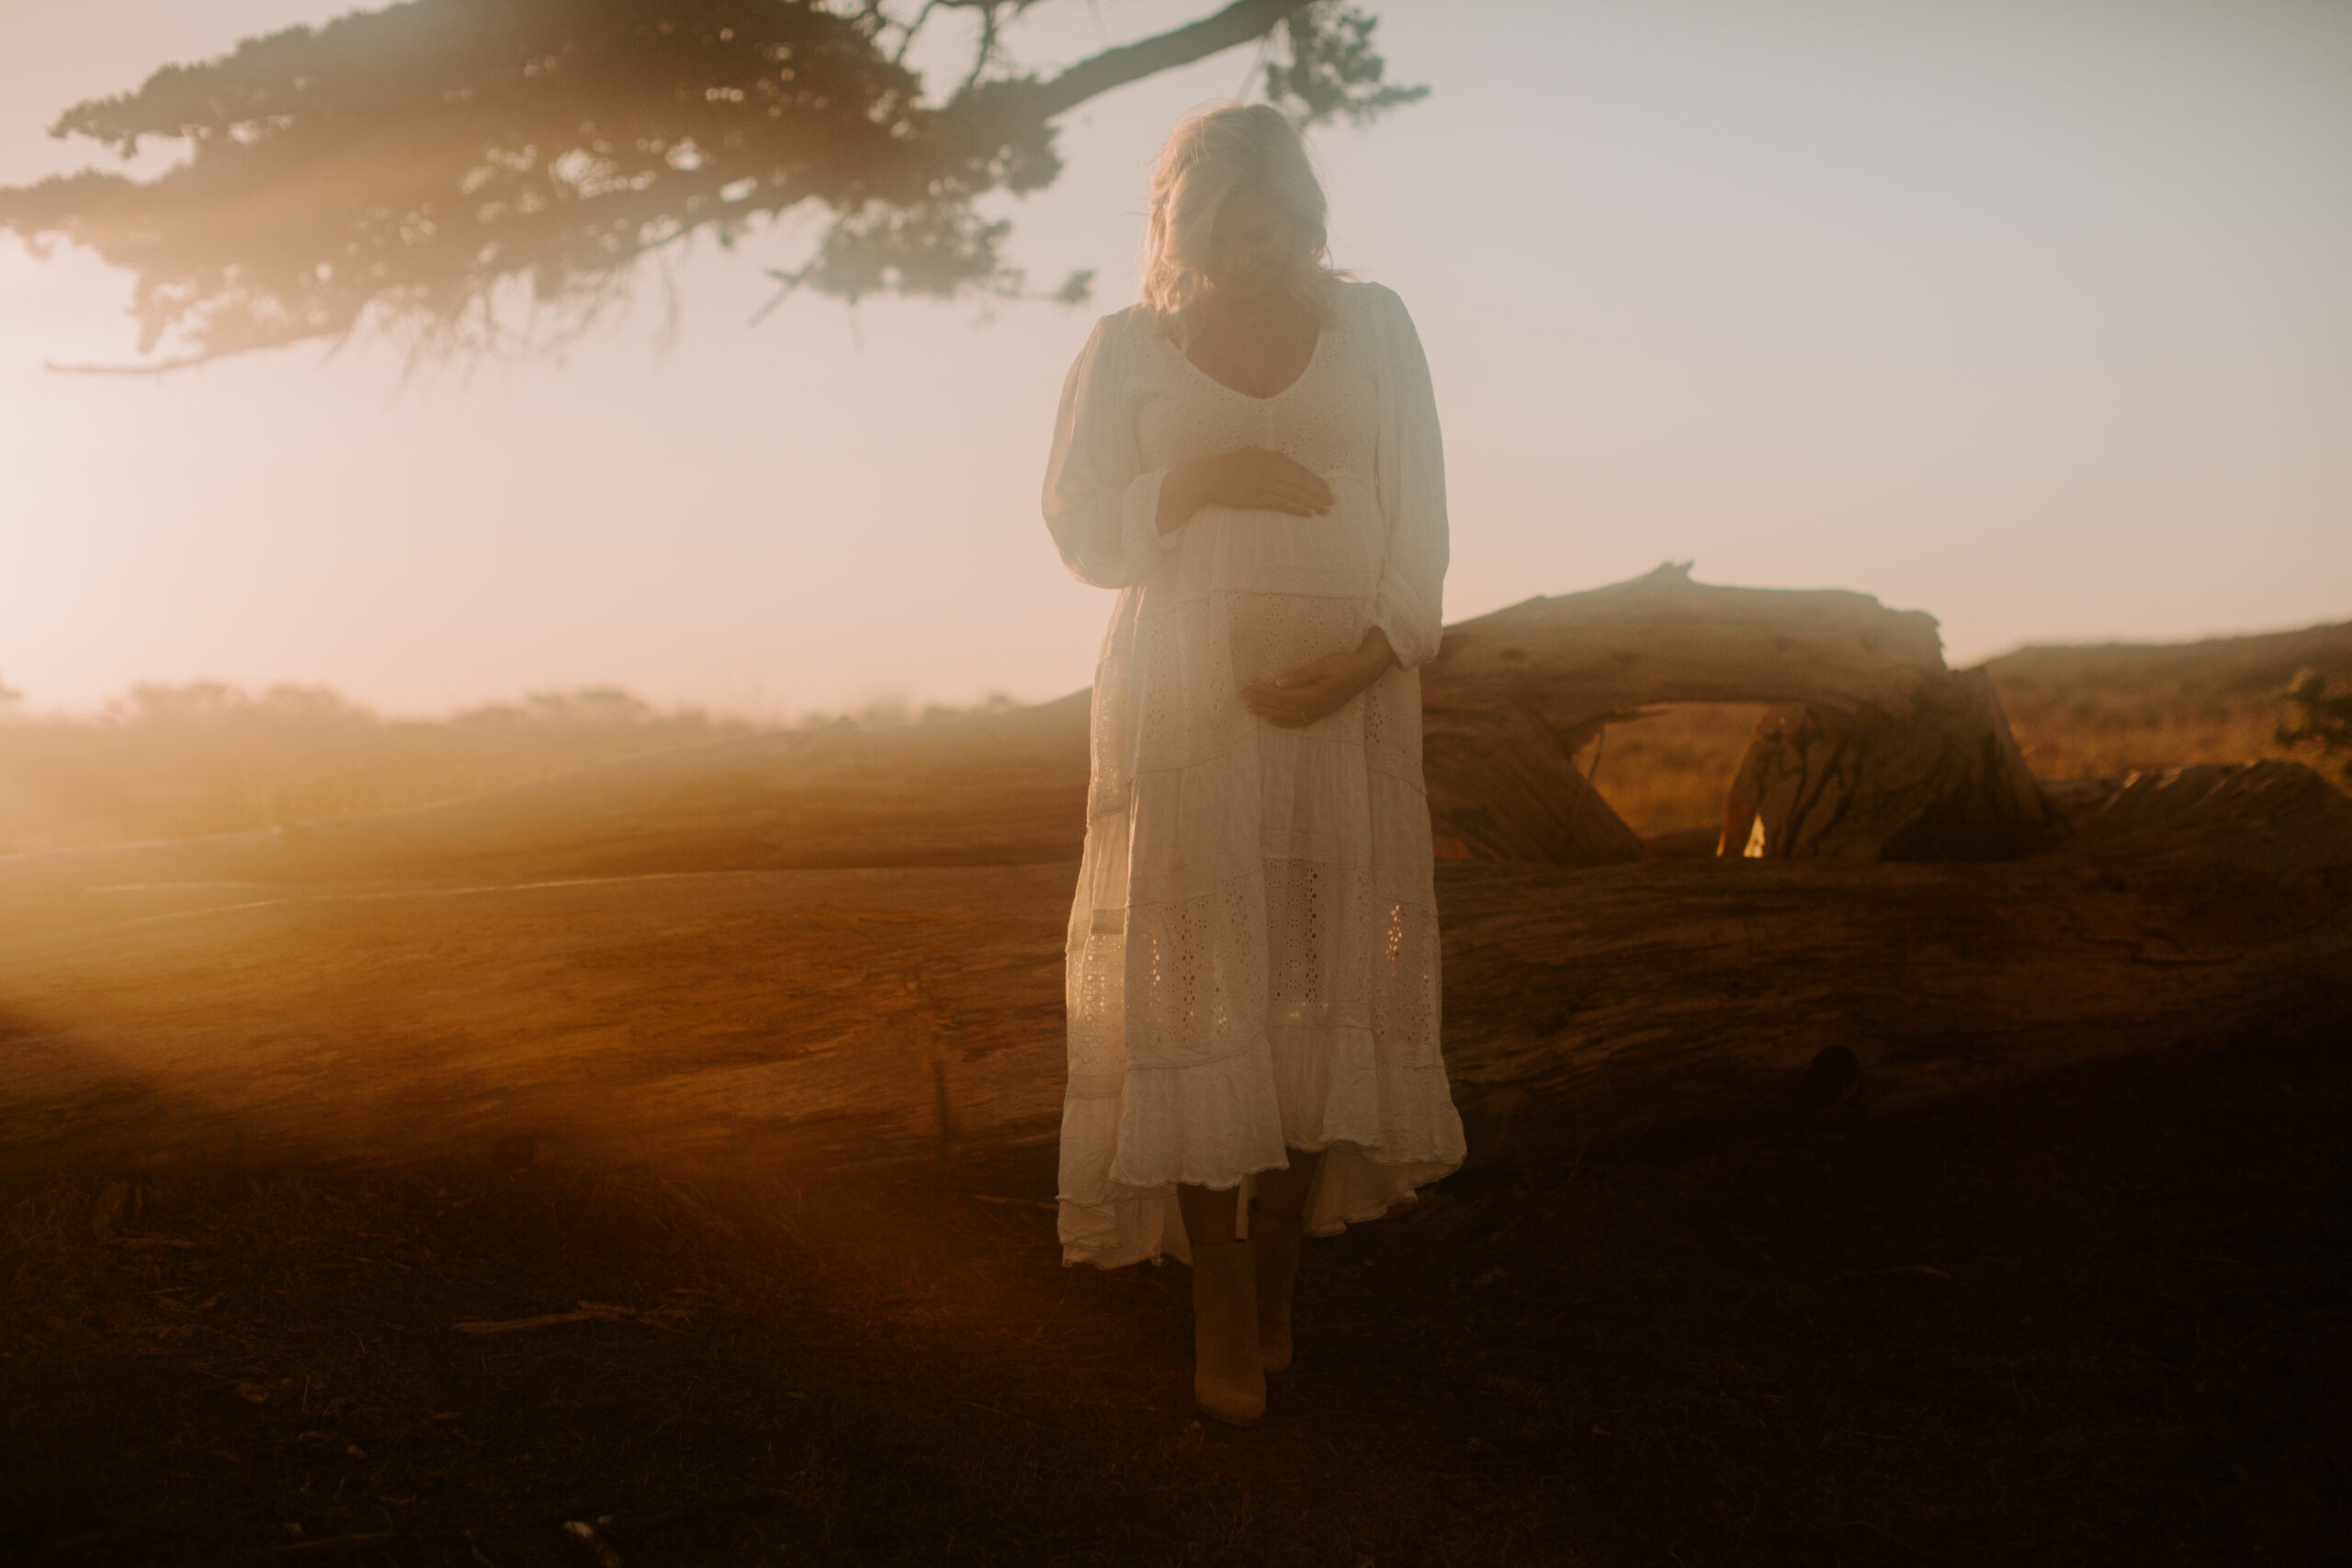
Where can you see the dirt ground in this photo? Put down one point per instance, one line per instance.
(2097, 1318)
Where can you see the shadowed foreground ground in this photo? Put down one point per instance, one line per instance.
(2099, 1317)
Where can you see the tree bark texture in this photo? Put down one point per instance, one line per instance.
(1945, 781)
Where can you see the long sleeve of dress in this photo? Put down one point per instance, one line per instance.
(1412, 482)
(1101, 505)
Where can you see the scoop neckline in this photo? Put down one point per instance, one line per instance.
(1322, 335)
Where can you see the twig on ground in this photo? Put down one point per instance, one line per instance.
(585, 1533)
(589, 1312)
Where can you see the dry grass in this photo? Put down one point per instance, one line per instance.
(1667, 774)
(2078, 713)
(175, 761)
(2118, 708)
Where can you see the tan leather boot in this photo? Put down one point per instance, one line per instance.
(1277, 1241)
(1227, 1382)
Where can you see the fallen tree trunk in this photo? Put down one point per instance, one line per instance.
(749, 1023)
(1879, 751)
(1569, 658)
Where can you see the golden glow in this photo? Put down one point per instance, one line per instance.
(2034, 322)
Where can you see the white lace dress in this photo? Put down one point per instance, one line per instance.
(1253, 948)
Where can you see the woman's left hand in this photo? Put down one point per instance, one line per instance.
(1320, 689)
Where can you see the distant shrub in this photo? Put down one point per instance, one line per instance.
(206, 757)
(2322, 716)
(168, 761)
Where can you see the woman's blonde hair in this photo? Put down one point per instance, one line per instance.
(1214, 151)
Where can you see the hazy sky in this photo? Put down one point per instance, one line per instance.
(2035, 314)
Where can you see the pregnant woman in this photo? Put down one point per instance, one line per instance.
(1251, 456)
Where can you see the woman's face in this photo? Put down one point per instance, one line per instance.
(1248, 248)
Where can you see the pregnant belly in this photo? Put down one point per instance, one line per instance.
(1270, 635)
(1336, 554)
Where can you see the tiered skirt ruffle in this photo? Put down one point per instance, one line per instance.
(1384, 1130)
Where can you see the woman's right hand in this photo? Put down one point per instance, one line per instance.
(1250, 479)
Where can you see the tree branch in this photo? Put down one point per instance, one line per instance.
(1237, 23)
(405, 162)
